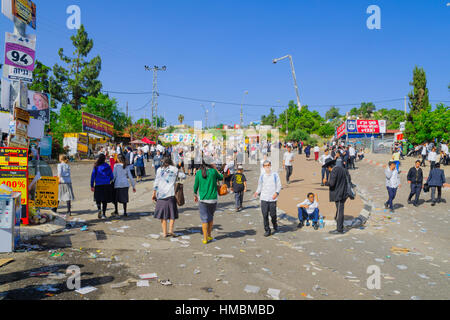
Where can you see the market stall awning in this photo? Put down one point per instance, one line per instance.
(148, 141)
(137, 142)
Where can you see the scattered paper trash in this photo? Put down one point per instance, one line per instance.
(119, 285)
(85, 228)
(165, 283)
(142, 283)
(146, 245)
(402, 267)
(251, 289)
(274, 293)
(148, 276)
(399, 250)
(85, 290)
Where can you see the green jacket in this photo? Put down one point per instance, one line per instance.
(207, 188)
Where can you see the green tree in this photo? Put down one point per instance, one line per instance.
(332, 113)
(427, 125)
(326, 130)
(80, 79)
(159, 122)
(367, 109)
(393, 117)
(418, 98)
(106, 108)
(270, 120)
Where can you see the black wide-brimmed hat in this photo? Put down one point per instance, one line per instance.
(328, 164)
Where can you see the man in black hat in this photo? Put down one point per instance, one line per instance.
(338, 192)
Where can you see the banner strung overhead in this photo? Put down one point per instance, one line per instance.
(97, 125)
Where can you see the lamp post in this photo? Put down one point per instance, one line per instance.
(275, 61)
(155, 94)
(206, 116)
(242, 109)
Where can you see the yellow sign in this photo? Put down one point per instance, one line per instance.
(12, 159)
(16, 181)
(46, 193)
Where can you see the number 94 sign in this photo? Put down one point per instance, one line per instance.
(20, 51)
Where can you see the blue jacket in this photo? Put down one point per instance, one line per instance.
(102, 175)
(436, 178)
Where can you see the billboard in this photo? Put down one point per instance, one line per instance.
(371, 126)
(341, 130)
(97, 125)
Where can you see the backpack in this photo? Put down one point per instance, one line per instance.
(350, 193)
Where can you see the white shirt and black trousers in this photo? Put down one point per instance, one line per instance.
(268, 185)
(392, 183)
(288, 156)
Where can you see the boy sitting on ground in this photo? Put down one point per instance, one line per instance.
(309, 210)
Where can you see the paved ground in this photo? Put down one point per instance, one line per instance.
(303, 264)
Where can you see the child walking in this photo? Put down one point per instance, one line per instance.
(65, 183)
(122, 176)
(239, 187)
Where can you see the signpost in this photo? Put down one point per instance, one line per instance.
(20, 51)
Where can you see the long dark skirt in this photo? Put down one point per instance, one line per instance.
(104, 193)
(121, 195)
(140, 171)
(166, 209)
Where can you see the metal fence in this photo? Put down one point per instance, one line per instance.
(377, 145)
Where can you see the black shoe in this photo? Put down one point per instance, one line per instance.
(125, 214)
(275, 229)
(316, 226)
(433, 204)
(416, 205)
(410, 202)
(386, 206)
(337, 232)
(267, 234)
(300, 225)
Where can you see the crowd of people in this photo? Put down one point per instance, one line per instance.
(219, 170)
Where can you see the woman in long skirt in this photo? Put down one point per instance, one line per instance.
(65, 183)
(139, 164)
(122, 174)
(101, 179)
(164, 195)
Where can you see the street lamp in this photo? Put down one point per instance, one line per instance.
(242, 109)
(213, 106)
(206, 116)
(275, 61)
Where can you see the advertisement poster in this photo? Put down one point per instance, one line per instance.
(341, 130)
(368, 126)
(83, 144)
(46, 193)
(39, 106)
(17, 74)
(46, 146)
(12, 159)
(97, 125)
(20, 51)
(24, 10)
(16, 180)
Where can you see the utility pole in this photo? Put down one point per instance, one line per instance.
(206, 116)
(275, 61)
(406, 110)
(127, 109)
(155, 94)
(242, 109)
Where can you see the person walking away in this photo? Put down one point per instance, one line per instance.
(300, 147)
(352, 157)
(146, 150)
(101, 179)
(415, 179)
(139, 164)
(164, 194)
(65, 183)
(269, 188)
(239, 187)
(180, 160)
(432, 157)
(316, 153)
(396, 159)
(205, 194)
(229, 171)
(308, 151)
(444, 149)
(309, 210)
(424, 155)
(338, 184)
(130, 160)
(288, 160)
(122, 178)
(324, 159)
(392, 184)
(436, 180)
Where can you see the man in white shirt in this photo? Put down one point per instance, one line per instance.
(309, 210)
(424, 155)
(269, 188)
(444, 149)
(145, 150)
(432, 157)
(392, 184)
(324, 159)
(288, 160)
(352, 157)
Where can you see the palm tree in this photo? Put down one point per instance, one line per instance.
(181, 118)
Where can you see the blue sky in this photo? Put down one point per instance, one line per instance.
(215, 50)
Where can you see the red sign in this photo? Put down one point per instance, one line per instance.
(97, 125)
(368, 126)
(341, 130)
